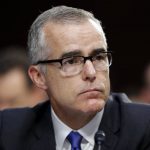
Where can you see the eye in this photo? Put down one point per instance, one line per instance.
(72, 60)
(101, 56)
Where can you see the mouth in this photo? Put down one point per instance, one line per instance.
(89, 94)
(91, 91)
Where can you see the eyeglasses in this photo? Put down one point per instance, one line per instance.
(73, 65)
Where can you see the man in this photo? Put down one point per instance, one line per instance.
(70, 61)
(16, 88)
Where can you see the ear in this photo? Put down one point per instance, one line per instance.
(37, 77)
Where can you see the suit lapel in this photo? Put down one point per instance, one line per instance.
(43, 133)
(110, 124)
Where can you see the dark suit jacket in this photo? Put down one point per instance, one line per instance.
(126, 125)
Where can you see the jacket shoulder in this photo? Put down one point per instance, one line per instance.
(134, 122)
(131, 111)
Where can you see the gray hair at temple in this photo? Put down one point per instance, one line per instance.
(60, 15)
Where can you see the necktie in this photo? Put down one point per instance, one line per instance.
(75, 140)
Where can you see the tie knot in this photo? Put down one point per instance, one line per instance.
(75, 140)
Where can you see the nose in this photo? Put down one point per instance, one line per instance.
(88, 72)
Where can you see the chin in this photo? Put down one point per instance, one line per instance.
(94, 106)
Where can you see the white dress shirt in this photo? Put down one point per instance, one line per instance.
(61, 131)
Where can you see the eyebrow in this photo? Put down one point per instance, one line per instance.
(79, 53)
(97, 51)
(72, 53)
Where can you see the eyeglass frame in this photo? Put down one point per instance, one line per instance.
(61, 59)
(109, 53)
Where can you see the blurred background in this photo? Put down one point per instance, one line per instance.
(126, 24)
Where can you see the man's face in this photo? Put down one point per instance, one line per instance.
(87, 91)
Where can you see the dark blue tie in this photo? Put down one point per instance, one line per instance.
(75, 140)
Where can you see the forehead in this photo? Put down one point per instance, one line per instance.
(84, 37)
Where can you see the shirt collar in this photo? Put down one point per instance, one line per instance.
(61, 130)
(89, 130)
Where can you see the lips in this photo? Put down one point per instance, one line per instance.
(91, 90)
(94, 93)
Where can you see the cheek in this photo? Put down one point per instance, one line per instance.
(108, 83)
(103, 77)
(62, 89)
